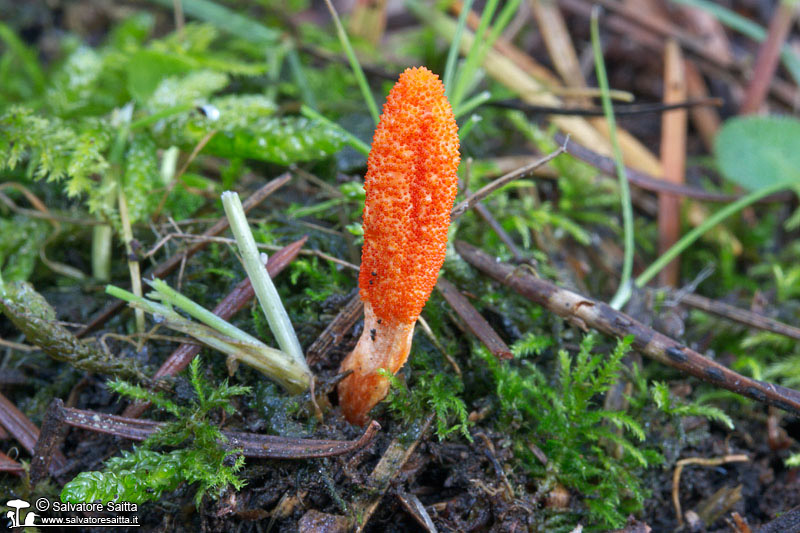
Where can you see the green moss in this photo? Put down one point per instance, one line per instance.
(144, 474)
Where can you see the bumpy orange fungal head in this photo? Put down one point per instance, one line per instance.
(410, 186)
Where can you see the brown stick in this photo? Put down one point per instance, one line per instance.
(252, 444)
(587, 313)
(743, 316)
(236, 300)
(487, 217)
(473, 319)
(23, 430)
(631, 20)
(336, 330)
(394, 459)
(673, 159)
(558, 42)
(650, 183)
(47, 446)
(768, 56)
(489, 188)
(168, 266)
(705, 118)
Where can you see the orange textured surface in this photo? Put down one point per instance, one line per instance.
(410, 187)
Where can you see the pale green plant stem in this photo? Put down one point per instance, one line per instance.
(730, 209)
(229, 339)
(173, 297)
(101, 252)
(265, 291)
(624, 289)
(352, 140)
(133, 264)
(354, 63)
(299, 75)
(452, 53)
(116, 157)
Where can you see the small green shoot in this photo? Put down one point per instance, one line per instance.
(218, 334)
(432, 393)
(354, 64)
(662, 398)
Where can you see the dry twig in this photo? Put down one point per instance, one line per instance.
(587, 313)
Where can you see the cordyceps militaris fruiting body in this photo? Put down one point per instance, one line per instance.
(410, 186)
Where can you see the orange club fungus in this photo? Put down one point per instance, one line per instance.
(410, 186)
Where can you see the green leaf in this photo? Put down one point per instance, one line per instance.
(758, 152)
(147, 68)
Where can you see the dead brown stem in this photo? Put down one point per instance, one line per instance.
(23, 430)
(742, 316)
(335, 331)
(251, 444)
(673, 159)
(473, 319)
(768, 56)
(650, 183)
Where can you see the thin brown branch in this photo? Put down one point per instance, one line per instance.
(251, 444)
(487, 217)
(169, 266)
(473, 319)
(394, 459)
(23, 430)
(489, 188)
(586, 313)
(673, 159)
(768, 56)
(742, 316)
(336, 330)
(625, 109)
(646, 181)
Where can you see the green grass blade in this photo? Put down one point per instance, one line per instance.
(623, 291)
(452, 53)
(709, 223)
(354, 64)
(472, 61)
